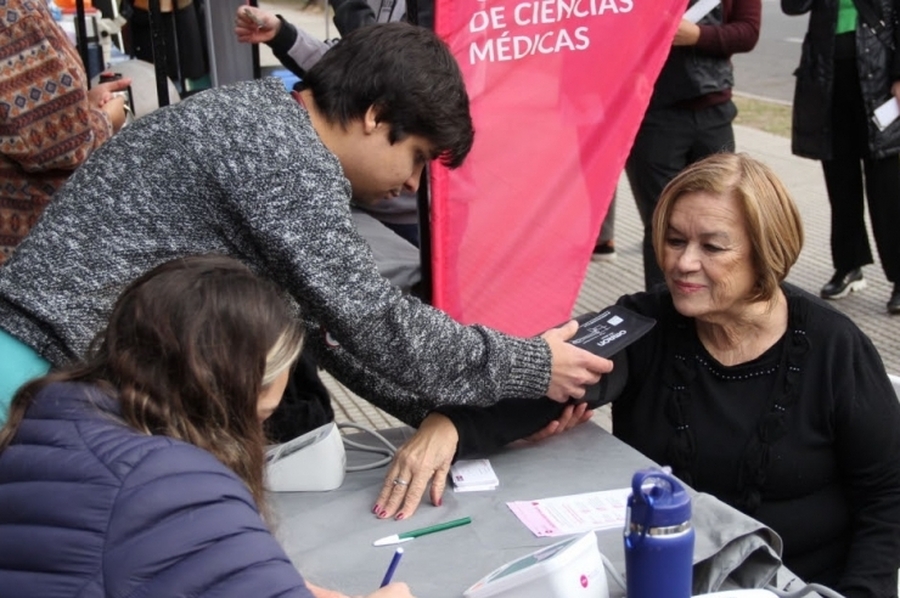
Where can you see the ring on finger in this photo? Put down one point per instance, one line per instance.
(400, 482)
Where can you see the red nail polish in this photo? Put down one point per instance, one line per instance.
(439, 502)
(382, 514)
(399, 516)
(376, 509)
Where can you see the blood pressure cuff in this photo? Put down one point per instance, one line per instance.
(483, 430)
(731, 550)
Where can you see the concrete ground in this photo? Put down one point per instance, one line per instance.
(605, 282)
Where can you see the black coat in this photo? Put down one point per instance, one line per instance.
(878, 64)
(353, 14)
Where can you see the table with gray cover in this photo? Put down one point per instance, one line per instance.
(329, 535)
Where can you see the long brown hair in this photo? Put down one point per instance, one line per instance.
(186, 351)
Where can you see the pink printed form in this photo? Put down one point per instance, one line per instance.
(573, 514)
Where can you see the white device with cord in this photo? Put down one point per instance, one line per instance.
(315, 461)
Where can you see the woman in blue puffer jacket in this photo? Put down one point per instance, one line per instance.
(140, 471)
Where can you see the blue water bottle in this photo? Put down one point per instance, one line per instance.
(659, 539)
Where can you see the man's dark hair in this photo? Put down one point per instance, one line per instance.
(408, 74)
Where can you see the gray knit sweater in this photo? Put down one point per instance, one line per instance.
(240, 170)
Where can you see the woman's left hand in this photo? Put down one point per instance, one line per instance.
(571, 416)
(424, 458)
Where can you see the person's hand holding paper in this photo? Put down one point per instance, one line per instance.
(888, 112)
(688, 32)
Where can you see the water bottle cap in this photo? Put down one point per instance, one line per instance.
(658, 499)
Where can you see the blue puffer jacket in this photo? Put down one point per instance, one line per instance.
(89, 508)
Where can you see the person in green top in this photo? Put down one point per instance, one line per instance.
(850, 66)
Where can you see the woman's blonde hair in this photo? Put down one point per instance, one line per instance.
(281, 357)
(770, 215)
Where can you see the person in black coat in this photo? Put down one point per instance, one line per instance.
(850, 65)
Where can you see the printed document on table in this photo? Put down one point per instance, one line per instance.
(573, 514)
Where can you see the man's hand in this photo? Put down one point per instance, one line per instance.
(255, 26)
(573, 415)
(426, 457)
(572, 369)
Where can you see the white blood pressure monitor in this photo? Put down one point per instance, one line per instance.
(572, 568)
(312, 462)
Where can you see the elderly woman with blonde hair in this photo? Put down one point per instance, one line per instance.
(748, 387)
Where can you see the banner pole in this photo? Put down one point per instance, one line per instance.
(158, 43)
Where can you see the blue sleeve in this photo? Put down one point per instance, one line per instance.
(185, 525)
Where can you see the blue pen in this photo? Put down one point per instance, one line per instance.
(392, 567)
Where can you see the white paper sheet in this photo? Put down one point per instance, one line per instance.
(573, 514)
(887, 113)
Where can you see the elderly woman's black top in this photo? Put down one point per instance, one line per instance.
(805, 438)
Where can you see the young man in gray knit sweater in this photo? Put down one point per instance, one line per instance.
(254, 173)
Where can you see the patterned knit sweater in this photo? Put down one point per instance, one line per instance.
(47, 128)
(240, 170)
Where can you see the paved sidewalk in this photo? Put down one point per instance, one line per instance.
(605, 282)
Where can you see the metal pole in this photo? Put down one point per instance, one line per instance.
(81, 36)
(254, 49)
(160, 63)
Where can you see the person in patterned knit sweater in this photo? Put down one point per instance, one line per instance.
(252, 172)
(49, 121)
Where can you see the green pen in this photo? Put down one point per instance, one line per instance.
(405, 536)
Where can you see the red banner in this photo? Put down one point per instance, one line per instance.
(558, 89)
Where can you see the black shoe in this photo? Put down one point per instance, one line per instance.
(843, 283)
(604, 252)
(894, 303)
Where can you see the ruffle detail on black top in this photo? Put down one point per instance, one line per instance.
(681, 451)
